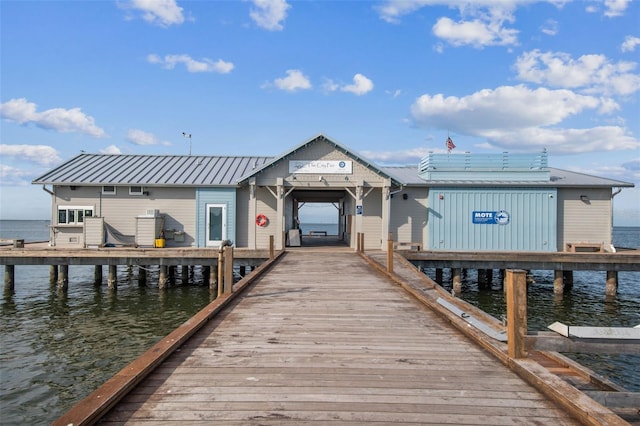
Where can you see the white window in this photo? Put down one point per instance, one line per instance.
(109, 190)
(136, 190)
(73, 215)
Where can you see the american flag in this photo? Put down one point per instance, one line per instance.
(450, 144)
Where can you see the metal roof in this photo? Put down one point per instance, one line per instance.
(559, 178)
(151, 170)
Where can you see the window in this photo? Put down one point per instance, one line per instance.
(73, 215)
(109, 190)
(136, 190)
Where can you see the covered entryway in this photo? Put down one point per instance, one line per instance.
(320, 217)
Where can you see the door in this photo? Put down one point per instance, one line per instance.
(216, 224)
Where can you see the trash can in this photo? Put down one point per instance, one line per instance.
(160, 242)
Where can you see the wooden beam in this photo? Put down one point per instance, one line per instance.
(516, 313)
(549, 341)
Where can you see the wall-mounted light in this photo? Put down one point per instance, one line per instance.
(145, 193)
(405, 196)
(441, 196)
(584, 198)
(320, 178)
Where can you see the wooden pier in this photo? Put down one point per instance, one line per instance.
(332, 337)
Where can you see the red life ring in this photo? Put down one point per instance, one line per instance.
(261, 220)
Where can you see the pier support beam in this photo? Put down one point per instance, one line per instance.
(485, 276)
(567, 276)
(439, 275)
(612, 283)
(162, 277)
(558, 282)
(142, 275)
(112, 277)
(184, 274)
(516, 313)
(97, 275)
(213, 277)
(63, 277)
(456, 278)
(9, 278)
(53, 274)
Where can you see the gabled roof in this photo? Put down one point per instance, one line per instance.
(151, 170)
(322, 138)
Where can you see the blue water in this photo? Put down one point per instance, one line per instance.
(56, 348)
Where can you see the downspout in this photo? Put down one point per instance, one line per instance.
(613, 194)
(52, 232)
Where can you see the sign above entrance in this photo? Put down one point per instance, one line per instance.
(321, 166)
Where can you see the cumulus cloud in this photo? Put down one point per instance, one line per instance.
(475, 33)
(361, 85)
(204, 65)
(615, 8)
(111, 149)
(61, 120)
(157, 12)
(512, 117)
(140, 137)
(294, 81)
(592, 74)
(630, 43)
(269, 14)
(42, 155)
(550, 27)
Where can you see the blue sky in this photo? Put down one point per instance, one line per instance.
(388, 79)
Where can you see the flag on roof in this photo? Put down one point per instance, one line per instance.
(450, 144)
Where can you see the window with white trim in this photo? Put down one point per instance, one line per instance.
(109, 190)
(136, 190)
(73, 215)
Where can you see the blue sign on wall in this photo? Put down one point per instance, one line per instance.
(359, 209)
(490, 218)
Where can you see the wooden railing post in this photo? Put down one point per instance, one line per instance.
(228, 269)
(390, 253)
(516, 312)
(220, 271)
(362, 242)
(272, 252)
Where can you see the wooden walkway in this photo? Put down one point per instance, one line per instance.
(326, 339)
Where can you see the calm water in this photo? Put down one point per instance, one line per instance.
(57, 348)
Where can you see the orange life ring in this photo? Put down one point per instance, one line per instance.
(261, 220)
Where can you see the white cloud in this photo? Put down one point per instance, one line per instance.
(516, 117)
(630, 43)
(475, 33)
(111, 149)
(39, 154)
(294, 81)
(205, 65)
(58, 119)
(592, 74)
(550, 27)
(361, 85)
(158, 12)
(269, 14)
(140, 137)
(615, 7)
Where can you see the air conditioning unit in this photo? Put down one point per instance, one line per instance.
(152, 213)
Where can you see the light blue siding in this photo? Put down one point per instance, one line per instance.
(531, 212)
(204, 196)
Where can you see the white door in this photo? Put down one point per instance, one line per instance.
(216, 224)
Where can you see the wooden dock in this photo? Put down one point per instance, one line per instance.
(328, 339)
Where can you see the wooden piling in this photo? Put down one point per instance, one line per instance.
(97, 275)
(162, 277)
(9, 278)
(516, 313)
(63, 277)
(271, 247)
(184, 274)
(390, 253)
(53, 274)
(612, 283)
(456, 278)
(112, 277)
(558, 282)
(213, 277)
(142, 275)
(568, 280)
(439, 276)
(228, 269)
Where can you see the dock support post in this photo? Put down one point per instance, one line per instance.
(361, 241)
(228, 269)
(142, 275)
(213, 277)
(485, 276)
(53, 274)
(272, 252)
(97, 275)
(112, 276)
(567, 277)
(390, 253)
(63, 277)
(558, 282)
(516, 313)
(162, 277)
(184, 274)
(439, 275)
(612, 283)
(243, 271)
(456, 278)
(171, 275)
(9, 278)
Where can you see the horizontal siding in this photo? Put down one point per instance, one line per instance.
(267, 205)
(584, 221)
(408, 222)
(372, 220)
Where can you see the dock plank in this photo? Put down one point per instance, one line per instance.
(324, 339)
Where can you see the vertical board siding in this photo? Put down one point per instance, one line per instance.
(532, 224)
(593, 224)
(226, 196)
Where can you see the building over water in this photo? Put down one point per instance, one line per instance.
(466, 202)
